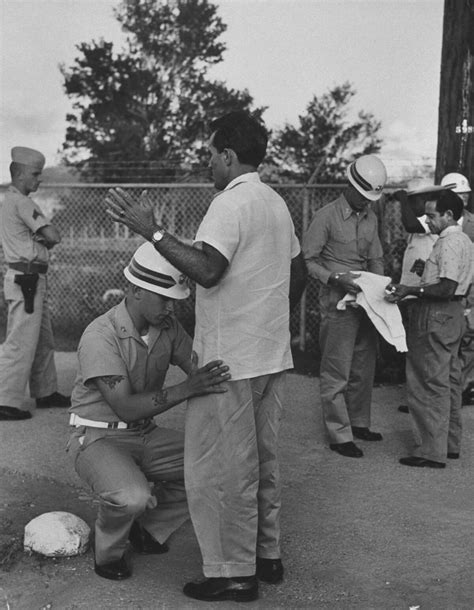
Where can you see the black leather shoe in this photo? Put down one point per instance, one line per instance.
(403, 409)
(270, 570)
(237, 589)
(468, 395)
(115, 570)
(349, 449)
(420, 462)
(11, 413)
(53, 400)
(453, 456)
(143, 542)
(365, 434)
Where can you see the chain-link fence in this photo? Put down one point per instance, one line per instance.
(86, 269)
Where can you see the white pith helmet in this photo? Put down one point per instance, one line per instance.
(461, 182)
(368, 175)
(151, 271)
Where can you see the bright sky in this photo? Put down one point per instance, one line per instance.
(282, 51)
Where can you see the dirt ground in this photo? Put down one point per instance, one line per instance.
(363, 534)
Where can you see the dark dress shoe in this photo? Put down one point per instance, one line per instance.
(270, 570)
(468, 395)
(403, 408)
(349, 449)
(453, 456)
(53, 400)
(115, 570)
(237, 589)
(143, 542)
(365, 434)
(420, 462)
(11, 413)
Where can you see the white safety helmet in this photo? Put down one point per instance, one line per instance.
(151, 271)
(368, 175)
(460, 182)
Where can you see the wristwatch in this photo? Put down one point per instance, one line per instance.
(157, 236)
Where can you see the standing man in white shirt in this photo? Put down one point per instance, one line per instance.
(434, 335)
(247, 263)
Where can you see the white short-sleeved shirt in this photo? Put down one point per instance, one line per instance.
(450, 258)
(419, 245)
(20, 219)
(244, 319)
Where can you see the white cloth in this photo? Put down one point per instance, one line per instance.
(244, 319)
(384, 316)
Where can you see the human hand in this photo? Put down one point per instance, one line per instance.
(396, 292)
(208, 378)
(400, 195)
(137, 216)
(418, 267)
(345, 281)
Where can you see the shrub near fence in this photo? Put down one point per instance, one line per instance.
(86, 269)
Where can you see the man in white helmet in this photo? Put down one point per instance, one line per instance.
(466, 352)
(116, 446)
(341, 241)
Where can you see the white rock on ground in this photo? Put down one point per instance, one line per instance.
(57, 534)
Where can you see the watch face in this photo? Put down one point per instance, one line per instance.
(157, 235)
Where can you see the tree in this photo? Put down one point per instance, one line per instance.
(324, 140)
(455, 152)
(149, 104)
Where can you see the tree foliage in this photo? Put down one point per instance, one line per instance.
(325, 141)
(149, 103)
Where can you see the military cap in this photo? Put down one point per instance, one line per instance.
(28, 156)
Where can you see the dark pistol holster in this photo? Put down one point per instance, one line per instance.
(27, 283)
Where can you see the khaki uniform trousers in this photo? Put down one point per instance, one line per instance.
(27, 355)
(118, 465)
(232, 474)
(348, 344)
(433, 374)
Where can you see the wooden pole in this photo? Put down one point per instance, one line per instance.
(455, 151)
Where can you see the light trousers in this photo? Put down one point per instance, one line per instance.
(348, 343)
(232, 474)
(27, 355)
(433, 373)
(119, 465)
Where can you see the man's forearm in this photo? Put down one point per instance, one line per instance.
(191, 261)
(149, 404)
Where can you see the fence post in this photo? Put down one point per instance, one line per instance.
(304, 226)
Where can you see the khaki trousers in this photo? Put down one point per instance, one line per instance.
(118, 465)
(27, 355)
(433, 373)
(232, 474)
(348, 343)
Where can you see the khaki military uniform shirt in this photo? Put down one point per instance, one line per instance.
(111, 345)
(20, 220)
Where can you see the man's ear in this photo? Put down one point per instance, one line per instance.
(228, 156)
(137, 292)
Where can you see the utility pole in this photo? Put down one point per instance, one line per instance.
(455, 151)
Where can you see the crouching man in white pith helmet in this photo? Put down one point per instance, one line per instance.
(116, 446)
(341, 241)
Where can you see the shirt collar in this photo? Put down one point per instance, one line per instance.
(13, 189)
(347, 211)
(451, 229)
(247, 177)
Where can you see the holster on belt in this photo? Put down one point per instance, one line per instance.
(28, 283)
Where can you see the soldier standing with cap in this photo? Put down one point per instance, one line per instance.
(342, 240)
(27, 354)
